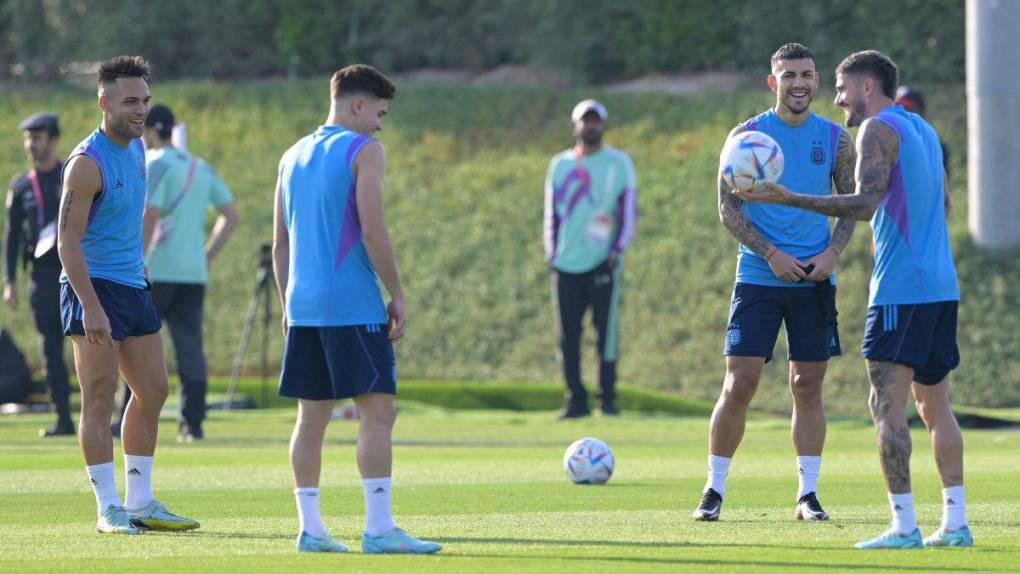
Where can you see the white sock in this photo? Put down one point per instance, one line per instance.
(104, 485)
(138, 489)
(308, 511)
(954, 508)
(902, 505)
(807, 472)
(378, 518)
(718, 468)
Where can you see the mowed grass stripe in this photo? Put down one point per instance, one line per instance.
(490, 486)
(595, 538)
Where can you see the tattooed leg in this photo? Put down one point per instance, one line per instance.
(890, 388)
(946, 439)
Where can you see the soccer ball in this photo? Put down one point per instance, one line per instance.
(588, 461)
(749, 158)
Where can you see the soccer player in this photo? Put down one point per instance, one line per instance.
(105, 303)
(590, 215)
(31, 233)
(180, 190)
(330, 241)
(910, 336)
(784, 276)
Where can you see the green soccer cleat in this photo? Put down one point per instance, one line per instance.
(155, 516)
(308, 543)
(942, 537)
(115, 520)
(397, 541)
(892, 540)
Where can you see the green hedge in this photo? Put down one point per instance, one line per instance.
(588, 40)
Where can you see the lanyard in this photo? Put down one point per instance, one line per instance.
(40, 201)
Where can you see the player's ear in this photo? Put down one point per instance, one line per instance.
(103, 104)
(357, 103)
(771, 81)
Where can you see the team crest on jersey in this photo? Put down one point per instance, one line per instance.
(817, 153)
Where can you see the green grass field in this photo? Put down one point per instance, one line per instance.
(464, 199)
(490, 486)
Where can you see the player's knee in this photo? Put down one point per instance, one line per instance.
(932, 414)
(739, 389)
(806, 389)
(378, 413)
(98, 403)
(152, 394)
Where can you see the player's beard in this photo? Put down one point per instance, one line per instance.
(122, 125)
(591, 139)
(856, 115)
(798, 108)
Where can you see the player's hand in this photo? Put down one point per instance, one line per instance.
(787, 267)
(11, 296)
(97, 327)
(824, 263)
(397, 319)
(284, 325)
(765, 192)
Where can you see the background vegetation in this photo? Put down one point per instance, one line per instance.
(464, 193)
(591, 41)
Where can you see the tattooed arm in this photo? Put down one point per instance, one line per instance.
(878, 147)
(843, 178)
(82, 183)
(785, 266)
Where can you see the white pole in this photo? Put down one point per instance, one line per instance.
(993, 112)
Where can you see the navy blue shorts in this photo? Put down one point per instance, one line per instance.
(321, 363)
(130, 309)
(919, 336)
(757, 311)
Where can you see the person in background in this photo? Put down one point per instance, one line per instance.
(180, 189)
(31, 233)
(590, 215)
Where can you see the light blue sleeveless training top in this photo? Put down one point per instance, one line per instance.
(112, 243)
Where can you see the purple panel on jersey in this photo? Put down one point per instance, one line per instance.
(895, 202)
(350, 229)
(834, 142)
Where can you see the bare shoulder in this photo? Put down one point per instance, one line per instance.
(373, 149)
(82, 175)
(876, 136)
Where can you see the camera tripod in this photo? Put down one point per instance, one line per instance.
(264, 289)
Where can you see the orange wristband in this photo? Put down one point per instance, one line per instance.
(771, 253)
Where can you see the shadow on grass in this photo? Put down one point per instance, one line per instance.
(813, 566)
(235, 535)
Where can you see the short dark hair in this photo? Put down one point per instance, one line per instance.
(123, 67)
(791, 51)
(361, 79)
(875, 64)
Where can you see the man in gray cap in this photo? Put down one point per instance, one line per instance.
(31, 234)
(590, 214)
